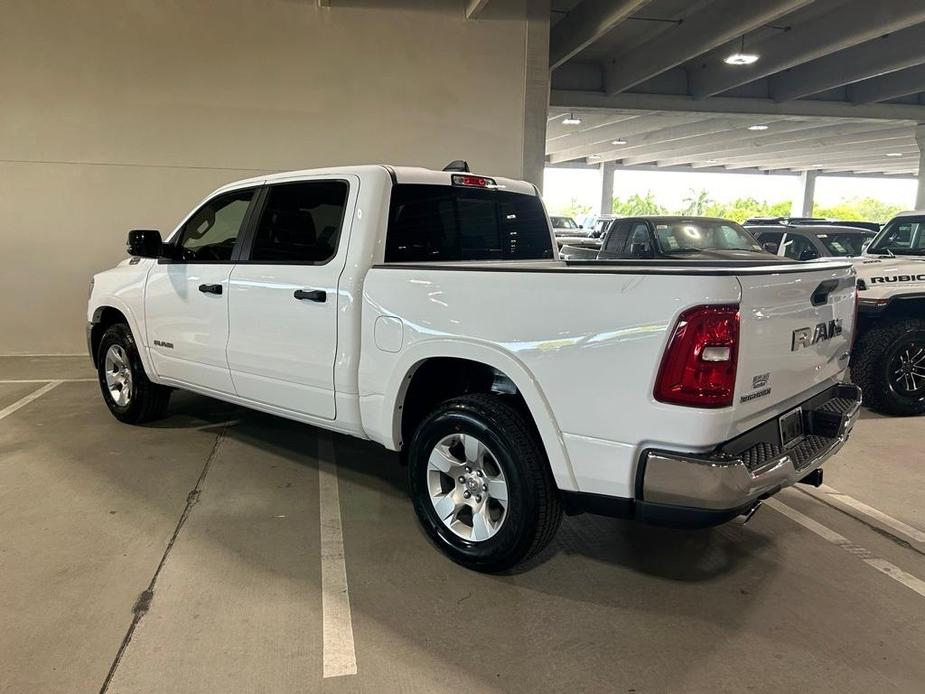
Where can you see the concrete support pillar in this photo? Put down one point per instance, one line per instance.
(536, 91)
(803, 203)
(607, 170)
(920, 190)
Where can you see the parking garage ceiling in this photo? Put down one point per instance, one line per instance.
(834, 86)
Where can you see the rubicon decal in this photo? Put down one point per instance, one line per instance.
(898, 278)
(804, 337)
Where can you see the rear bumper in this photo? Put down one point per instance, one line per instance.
(714, 487)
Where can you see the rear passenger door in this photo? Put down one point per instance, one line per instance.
(283, 295)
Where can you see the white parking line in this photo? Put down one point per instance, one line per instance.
(882, 565)
(46, 380)
(34, 395)
(339, 652)
(889, 521)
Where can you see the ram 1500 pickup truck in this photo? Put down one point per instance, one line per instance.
(425, 310)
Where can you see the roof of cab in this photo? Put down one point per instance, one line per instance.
(400, 174)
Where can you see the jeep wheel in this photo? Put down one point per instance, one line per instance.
(128, 393)
(890, 366)
(481, 484)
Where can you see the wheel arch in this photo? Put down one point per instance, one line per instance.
(109, 313)
(472, 361)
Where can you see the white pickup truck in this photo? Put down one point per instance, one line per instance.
(424, 310)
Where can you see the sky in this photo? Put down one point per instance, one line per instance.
(561, 186)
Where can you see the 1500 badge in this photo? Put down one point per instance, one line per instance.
(804, 337)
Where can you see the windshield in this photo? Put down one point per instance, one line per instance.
(563, 223)
(845, 244)
(700, 235)
(901, 236)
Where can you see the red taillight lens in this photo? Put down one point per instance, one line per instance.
(473, 181)
(699, 366)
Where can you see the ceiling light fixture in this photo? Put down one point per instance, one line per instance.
(741, 58)
(571, 120)
(894, 154)
(618, 141)
(758, 126)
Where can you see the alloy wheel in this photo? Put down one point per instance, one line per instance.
(118, 375)
(467, 487)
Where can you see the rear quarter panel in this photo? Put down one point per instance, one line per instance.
(583, 348)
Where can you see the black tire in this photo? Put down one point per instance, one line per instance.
(877, 357)
(533, 511)
(147, 401)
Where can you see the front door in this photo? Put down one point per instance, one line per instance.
(284, 294)
(186, 297)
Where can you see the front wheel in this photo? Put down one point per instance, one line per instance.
(128, 393)
(481, 484)
(889, 366)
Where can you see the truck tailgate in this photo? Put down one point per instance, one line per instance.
(796, 330)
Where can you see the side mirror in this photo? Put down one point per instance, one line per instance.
(639, 250)
(770, 247)
(808, 254)
(145, 243)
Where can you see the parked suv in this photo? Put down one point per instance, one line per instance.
(808, 242)
(673, 238)
(424, 310)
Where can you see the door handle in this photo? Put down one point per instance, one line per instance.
(210, 288)
(318, 295)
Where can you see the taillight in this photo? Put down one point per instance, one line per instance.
(473, 181)
(699, 366)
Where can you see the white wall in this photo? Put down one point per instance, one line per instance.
(120, 114)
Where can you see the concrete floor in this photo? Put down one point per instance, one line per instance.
(92, 510)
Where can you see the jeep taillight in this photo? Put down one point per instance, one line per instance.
(699, 366)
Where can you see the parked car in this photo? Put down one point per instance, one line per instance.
(564, 226)
(350, 299)
(810, 221)
(674, 238)
(808, 242)
(594, 225)
(889, 353)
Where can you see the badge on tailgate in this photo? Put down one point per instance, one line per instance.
(804, 337)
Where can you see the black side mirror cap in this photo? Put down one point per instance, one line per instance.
(145, 243)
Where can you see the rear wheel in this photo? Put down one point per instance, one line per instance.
(481, 483)
(128, 393)
(890, 366)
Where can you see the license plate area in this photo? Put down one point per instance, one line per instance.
(791, 427)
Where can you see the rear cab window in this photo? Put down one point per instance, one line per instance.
(436, 223)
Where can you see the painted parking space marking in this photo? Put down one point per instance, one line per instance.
(839, 498)
(34, 395)
(47, 380)
(881, 565)
(338, 647)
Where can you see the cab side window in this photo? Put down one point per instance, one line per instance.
(771, 239)
(210, 234)
(616, 238)
(799, 248)
(301, 222)
(639, 242)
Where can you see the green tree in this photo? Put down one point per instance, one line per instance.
(696, 202)
(859, 209)
(575, 210)
(637, 204)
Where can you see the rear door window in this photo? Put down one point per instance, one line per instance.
(441, 223)
(300, 223)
